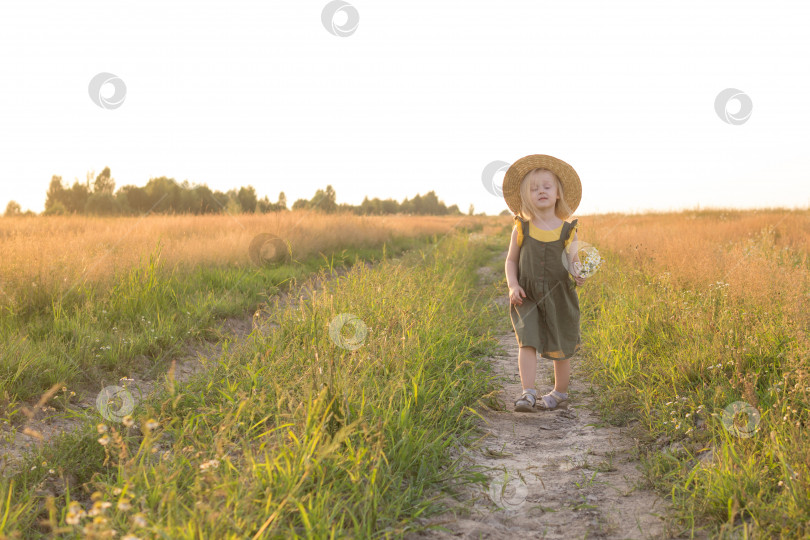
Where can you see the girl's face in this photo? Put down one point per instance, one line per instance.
(543, 190)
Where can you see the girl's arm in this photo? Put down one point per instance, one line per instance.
(512, 261)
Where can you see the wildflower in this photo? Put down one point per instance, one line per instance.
(102, 428)
(214, 463)
(780, 483)
(64, 389)
(151, 424)
(688, 415)
(75, 513)
(117, 491)
(98, 508)
(104, 440)
(51, 471)
(127, 420)
(124, 505)
(139, 519)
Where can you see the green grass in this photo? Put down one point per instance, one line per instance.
(89, 335)
(311, 439)
(673, 359)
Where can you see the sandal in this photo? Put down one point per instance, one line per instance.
(552, 400)
(526, 402)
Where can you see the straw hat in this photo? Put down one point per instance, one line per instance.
(518, 170)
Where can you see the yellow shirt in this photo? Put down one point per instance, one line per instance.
(542, 235)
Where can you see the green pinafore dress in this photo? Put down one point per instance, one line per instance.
(548, 319)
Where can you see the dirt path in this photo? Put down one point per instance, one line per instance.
(553, 474)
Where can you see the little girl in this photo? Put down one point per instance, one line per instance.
(544, 308)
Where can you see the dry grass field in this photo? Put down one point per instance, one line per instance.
(44, 256)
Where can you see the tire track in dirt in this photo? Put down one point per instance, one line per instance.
(42, 425)
(553, 474)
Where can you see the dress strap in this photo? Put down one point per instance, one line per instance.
(521, 230)
(570, 231)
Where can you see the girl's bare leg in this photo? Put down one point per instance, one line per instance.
(527, 365)
(562, 372)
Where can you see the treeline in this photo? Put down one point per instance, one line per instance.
(97, 196)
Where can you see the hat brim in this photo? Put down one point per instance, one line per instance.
(572, 187)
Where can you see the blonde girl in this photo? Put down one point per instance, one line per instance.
(542, 191)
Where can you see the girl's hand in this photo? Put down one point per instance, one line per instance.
(516, 295)
(576, 266)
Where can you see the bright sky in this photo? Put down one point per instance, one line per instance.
(421, 96)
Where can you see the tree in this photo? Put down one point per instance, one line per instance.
(13, 209)
(233, 207)
(324, 200)
(282, 201)
(102, 204)
(247, 199)
(104, 183)
(75, 198)
(56, 194)
(55, 209)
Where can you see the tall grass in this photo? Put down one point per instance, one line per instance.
(691, 313)
(291, 434)
(49, 256)
(132, 320)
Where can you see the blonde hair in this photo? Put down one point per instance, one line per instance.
(528, 208)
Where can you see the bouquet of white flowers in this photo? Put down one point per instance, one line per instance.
(588, 265)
